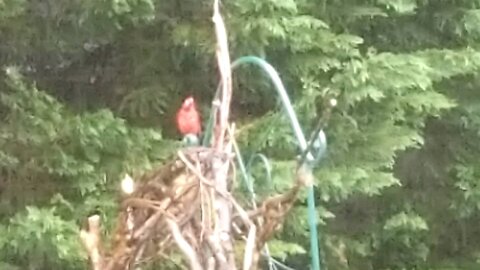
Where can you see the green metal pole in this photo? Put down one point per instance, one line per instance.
(314, 249)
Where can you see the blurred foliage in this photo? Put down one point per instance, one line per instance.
(90, 90)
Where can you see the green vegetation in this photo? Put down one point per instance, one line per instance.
(90, 89)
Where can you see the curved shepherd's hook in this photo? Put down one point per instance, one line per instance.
(307, 158)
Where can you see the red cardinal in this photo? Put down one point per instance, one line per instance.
(188, 118)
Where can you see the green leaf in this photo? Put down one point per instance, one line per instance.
(406, 221)
(281, 249)
(400, 6)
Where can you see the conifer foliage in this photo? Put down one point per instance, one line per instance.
(90, 88)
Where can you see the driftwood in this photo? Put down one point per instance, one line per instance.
(173, 209)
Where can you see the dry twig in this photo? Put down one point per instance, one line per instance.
(91, 241)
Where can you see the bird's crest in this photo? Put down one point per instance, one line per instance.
(188, 103)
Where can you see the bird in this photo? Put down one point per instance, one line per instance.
(189, 122)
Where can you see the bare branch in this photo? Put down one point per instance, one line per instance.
(223, 59)
(184, 245)
(91, 241)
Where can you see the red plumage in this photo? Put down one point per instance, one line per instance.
(188, 118)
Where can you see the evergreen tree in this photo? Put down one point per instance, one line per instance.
(90, 89)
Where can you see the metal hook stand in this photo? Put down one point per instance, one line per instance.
(311, 151)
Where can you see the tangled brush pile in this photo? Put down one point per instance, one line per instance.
(173, 209)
